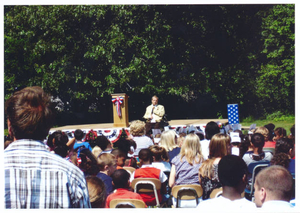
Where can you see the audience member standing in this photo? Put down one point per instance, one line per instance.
(34, 177)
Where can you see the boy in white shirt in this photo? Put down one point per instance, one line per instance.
(232, 172)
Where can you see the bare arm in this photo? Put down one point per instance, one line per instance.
(172, 176)
(71, 143)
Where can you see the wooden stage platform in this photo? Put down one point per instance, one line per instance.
(172, 123)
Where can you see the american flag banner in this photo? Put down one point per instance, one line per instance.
(233, 113)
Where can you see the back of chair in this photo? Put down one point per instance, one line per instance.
(187, 192)
(256, 168)
(216, 192)
(146, 185)
(129, 169)
(126, 203)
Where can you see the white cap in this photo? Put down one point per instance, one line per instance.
(235, 137)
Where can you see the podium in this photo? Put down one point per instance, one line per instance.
(120, 121)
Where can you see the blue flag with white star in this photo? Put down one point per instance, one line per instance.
(233, 113)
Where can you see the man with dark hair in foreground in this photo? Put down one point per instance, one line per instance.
(34, 177)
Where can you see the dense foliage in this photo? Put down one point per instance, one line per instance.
(230, 53)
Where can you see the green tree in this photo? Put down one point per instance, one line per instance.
(276, 81)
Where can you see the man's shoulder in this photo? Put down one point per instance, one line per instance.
(219, 202)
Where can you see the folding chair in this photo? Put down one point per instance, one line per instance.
(127, 203)
(253, 169)
(129, 169)
(187, 192)
(216, 193)
(146, 185)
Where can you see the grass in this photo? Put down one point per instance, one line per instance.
(281, 121)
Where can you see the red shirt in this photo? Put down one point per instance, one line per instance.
(122, 194)
(148, 172)
(270, 144)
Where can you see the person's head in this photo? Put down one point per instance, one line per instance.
(281, 159)
(285, 145)
(60, 141)
(120, 157)
(78, 134)
(181, 139)
(279, 133)
(219, 145)
(258, 140)
(107, 163)
(125, 144)
(103, 142)
(211, 129)
(273, 183)
(51, 138)
(145, 156)
(264, 131)
(137, 128)
(270, 128)
(191, 149)
(159, 153)
(244, 146)
(30, 114)
(120, 179)
(154, 100)
(167, 140)
(232, 172)
(97, 191)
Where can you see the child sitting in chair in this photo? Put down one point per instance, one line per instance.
(120, 181)
(148, 171)
(107, 165)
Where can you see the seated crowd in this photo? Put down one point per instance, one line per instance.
(92, 171)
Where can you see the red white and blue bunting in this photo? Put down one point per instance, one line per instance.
(118, 101)
(113, 134)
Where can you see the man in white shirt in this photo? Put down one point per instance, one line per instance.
(153, 115)
(273, 189)
(232, 172)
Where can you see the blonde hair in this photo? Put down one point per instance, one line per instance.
(191, 149)
(264, 131)
(167, 140)
(218, 145)
(137, 128)
(105, 159)
(206, 169)
(96, 151)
